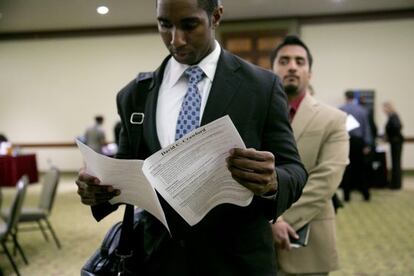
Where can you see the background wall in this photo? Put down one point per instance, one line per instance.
(50, 89)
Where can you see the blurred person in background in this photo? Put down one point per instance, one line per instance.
(359, 147)
(117, 132)
(5, 145)
(95, 135)
(395, 138)
(3, 138)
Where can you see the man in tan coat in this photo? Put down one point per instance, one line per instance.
(323, 145)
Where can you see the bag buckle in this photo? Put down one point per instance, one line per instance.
(137, 118)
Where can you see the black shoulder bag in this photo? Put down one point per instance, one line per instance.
(129, 249)
(133, 246)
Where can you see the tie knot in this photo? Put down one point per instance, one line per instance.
(194, 74)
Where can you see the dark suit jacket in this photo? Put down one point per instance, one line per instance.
(230, 240)
(393, 129)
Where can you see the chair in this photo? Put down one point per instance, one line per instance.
(7, 230)
(44, 208)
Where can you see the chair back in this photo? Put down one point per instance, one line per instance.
(49, 188)
(17, 204)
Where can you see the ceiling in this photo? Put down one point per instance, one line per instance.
(19, 16)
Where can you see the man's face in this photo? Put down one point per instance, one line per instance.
(387, 109)
(292, 66)
(186, 29)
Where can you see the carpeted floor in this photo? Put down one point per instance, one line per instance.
(374, 238)
(377, 237)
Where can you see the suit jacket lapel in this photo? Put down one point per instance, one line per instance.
(303, 116)
(225, 84)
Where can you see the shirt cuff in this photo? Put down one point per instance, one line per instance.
(272, 194)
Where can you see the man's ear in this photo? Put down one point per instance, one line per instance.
(216, 16)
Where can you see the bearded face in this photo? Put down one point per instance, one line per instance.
(291, 90)
(291, 65)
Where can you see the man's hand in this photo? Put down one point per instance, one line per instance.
(91, 192)
(253, 169)
(281, 233)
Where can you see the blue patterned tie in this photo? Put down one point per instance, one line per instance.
(189, 117)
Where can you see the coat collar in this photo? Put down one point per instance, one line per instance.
(305, 113)
(225, 85)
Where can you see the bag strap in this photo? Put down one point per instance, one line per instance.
(144, 82)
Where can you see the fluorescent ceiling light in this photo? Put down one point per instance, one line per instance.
(102, 10)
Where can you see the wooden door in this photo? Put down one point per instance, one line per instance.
(253, 46)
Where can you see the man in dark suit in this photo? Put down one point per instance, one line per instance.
(230, 240)
(393, 135)
(359, 148)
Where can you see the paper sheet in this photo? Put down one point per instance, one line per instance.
(351, 123)
(125, 175)
(191, 174)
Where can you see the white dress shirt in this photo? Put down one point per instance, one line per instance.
(172, 91)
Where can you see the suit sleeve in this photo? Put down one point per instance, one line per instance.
(278, 138)
(324, 177)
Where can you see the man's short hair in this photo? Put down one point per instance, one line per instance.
(208, 5)
(291, 40)
(349, 95)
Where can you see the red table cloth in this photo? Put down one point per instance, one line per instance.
(13, 167)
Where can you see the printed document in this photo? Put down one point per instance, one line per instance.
(190, 174)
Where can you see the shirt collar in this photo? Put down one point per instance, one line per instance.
(208, 64)
(295, 103)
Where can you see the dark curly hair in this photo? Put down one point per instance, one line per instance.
(291, 40)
